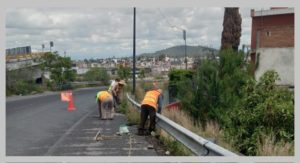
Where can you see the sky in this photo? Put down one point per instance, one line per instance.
(108, 32)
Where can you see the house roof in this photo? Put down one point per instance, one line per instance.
(274, 11)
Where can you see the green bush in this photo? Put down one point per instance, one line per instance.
(226, 92)
(176, 78)
(24, 88)
(264, 109)
(123, 106)
(123, 72)
(97, 74)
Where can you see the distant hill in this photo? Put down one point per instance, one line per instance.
(178, 51)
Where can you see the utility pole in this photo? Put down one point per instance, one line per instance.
(184, 37)
(133, 59)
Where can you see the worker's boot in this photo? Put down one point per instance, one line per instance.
(147, 133)
(141, 132)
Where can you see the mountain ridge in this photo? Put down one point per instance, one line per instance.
(179, 51)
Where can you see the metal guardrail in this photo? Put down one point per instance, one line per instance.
(198, 145)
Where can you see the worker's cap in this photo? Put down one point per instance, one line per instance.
(122, 82)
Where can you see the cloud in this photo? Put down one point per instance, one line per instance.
(106, 32)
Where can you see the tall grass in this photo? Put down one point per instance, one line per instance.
(175, 148)
(211, 131)
(133, 116)
(268, 147)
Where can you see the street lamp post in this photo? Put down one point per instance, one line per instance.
(133, 59)
(184, 37)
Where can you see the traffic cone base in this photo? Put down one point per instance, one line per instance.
(71, 106)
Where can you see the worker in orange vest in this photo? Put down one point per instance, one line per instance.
(151, 104)
(105, 105)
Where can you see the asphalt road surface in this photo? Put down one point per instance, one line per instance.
(40, 125)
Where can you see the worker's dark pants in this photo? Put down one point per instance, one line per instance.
(145, 111)
(115, 101)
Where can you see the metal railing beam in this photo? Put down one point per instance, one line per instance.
(198, 145)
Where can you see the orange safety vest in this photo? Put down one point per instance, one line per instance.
(151, 98)
(102, 95)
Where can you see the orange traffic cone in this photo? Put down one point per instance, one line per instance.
(71, 106)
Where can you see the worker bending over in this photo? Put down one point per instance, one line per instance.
(151, 104)
(116, 90)
(105, 105)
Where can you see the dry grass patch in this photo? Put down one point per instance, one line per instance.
(212, 129)
(175, 147)
(268, 147)
(133, 116)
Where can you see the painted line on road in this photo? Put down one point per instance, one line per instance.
(130, 145)
(59, 141)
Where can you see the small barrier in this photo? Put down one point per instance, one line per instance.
(174, 106)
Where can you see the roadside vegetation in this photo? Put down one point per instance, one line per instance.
(97, 74)
(59, 68)
(123, 72)
(20, 82)
(173, 146)
(222, 101)
(255, 117)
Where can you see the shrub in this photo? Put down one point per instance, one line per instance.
(265, 109)
(245, 109)
(97, 74)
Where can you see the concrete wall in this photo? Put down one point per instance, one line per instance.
(20, 64)
(279, 59)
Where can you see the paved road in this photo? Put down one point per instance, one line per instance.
(41, 126)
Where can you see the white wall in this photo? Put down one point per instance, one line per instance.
(279, 59)
(82, 70)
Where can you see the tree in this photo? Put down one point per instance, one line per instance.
(161, 57)
(246, 110)
(59, 68)
(231, 29)
(142, 74)
(265, 109)
(97, 74)
(123, 72)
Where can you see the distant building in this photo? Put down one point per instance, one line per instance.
(272, 43)
(19, 50)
